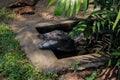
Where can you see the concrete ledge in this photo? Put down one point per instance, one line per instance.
(40, 58)
(66, 25)
(84, 61)
(46, 60)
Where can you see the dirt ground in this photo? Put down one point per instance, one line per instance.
(42, 14)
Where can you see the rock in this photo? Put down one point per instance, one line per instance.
(56, 34)
(60, 45)
(57, 40)
(61, 41)
(48, 44)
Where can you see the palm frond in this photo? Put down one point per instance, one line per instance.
(67, 7)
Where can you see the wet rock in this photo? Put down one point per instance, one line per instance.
(56, 34)
(61, 41)
(57, 40)
(60, 45)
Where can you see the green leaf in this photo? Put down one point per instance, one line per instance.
(95, 3)
(51, 2)
(103, 24)
(100, 12)
(94, 26)
(67, 7)
(118, 31)
(59, 8)
(98, 26)
(78, 29)
(93, 76)
(116, 21)
(72, 4)
(78, 4)
(109, 63)
(3, 27)
(116, 53)
(87, 32)
(85, 3)
(118, 63)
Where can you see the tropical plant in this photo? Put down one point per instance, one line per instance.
(92, 76)
(13, 63)
(101, 27)
(98, 30)
(75, 66)
(69, 6)
(72, 7)
(102, 21)
(6, 14)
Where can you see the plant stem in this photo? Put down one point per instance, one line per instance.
(116, 21)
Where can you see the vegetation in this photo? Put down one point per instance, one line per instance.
(102, 25)
(13, 63)
(93, 76)
(6, 14)
(101, 28)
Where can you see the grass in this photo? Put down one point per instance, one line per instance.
(6, 14)
(13, 63)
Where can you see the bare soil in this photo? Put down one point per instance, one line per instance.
(1, 78)
(42, 14)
